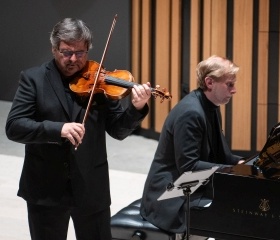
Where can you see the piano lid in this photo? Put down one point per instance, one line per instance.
(268, 160)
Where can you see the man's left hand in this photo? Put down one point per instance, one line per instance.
(140, 95)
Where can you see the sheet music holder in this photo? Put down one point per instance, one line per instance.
(185, 185)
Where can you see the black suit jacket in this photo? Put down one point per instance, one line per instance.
(184, 145)
(38, 113)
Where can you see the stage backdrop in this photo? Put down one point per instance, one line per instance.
(25, 28)
(174, 35)
(162, 41)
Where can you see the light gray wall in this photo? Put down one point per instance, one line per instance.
(25, 26)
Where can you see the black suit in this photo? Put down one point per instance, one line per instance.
(39, 110)
(185, 144)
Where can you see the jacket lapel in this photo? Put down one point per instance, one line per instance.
(76, 110)
(55, 81)
(206, 110)
(54, 78)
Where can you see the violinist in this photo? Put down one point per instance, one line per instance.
(60, 180)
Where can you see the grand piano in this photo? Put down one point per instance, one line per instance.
(246, 200)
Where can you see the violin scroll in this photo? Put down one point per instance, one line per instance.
(162, 94)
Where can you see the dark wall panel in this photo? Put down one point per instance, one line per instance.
(25, 27)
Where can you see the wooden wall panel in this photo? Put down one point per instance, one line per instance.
(156, 53)
(146, 61)
(141, 46)
(214, 33)
(207, 29)
(135, 38)
(194, 41)
(262, 73)
(176, 49)
(242, 48)
(162, 55)
(218, 27)
(239, 29)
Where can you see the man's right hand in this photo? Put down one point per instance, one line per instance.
(74, 132)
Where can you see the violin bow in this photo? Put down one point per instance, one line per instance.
(98, 72)
(99, 68)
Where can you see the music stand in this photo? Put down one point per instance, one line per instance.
(185, 185)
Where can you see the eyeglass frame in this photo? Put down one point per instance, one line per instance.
(69, 54)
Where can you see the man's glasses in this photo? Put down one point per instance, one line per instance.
(69, 54)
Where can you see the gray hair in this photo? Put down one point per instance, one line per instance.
(215, 67)
(71, 30)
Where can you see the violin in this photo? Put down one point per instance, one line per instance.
(117, 84)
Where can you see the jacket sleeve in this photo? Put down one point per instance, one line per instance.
(122, 122)
(191, 143)
(22, 124)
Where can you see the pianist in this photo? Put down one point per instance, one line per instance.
(191, 140)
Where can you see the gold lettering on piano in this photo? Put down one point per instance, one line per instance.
(263, 211)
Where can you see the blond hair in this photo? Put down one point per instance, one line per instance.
(215, 67)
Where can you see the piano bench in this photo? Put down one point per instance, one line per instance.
(127, 224)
